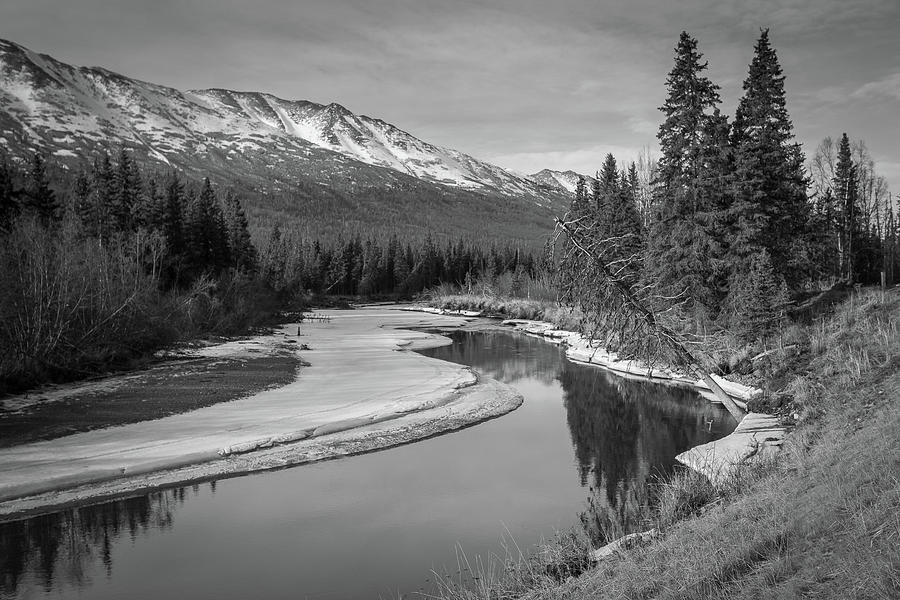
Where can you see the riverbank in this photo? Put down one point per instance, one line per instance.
(180, 380)
(582, 350)
(819, 520)
(358, 394)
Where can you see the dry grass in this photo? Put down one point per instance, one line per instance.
(515, 573)
(534, 300)
(823, 521)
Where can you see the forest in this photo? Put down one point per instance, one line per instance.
(114, 262)
(728, 230)
(731, 229)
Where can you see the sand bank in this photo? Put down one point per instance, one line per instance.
(360, 392)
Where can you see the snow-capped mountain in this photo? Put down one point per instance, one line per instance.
(561, 180)
(73, 112)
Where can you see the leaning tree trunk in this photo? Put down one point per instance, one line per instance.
(637, 308)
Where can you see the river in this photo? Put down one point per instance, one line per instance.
(380, 524)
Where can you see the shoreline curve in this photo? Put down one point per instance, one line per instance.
(429, 397)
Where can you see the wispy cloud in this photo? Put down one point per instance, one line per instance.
(887, 86)
(515, 81)
(583, 160)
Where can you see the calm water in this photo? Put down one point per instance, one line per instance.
(377, 525)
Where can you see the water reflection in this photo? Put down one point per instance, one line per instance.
(626, 435)
(69, 545)
(393, 515)
(506, 357)
(625, 432)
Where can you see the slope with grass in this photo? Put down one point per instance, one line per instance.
(820, 520)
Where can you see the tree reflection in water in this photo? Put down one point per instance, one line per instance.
(623, 433)
(626, 435)
(66, 546)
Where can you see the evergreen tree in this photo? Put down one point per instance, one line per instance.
(83, 200)
(39, 198)
(148, 211)
(274, 259)
(97, 214)
(240, 246)
(759, 300)
(206, 238)
(126, 191)
(681, 250)
(172, 220)
(845, 200)
(608, 183)
(578, 204)
(596, 192)
(9, 205)
(769, 209)
(634, 184)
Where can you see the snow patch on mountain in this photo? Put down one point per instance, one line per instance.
(77, 110)
(563, 180)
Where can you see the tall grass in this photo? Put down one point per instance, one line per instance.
(529, 298)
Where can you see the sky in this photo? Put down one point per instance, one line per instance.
(525, 84)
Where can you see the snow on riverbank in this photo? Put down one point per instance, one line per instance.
(360, 393)
(755, 436)
(582, 350)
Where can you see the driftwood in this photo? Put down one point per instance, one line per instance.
(622, 544)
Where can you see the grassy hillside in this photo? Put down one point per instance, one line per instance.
(821, 521)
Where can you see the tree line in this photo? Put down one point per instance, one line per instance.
(727, 231)
(197, 232)
(109, 263)
(392, 267)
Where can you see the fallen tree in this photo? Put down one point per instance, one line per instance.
(600, 275)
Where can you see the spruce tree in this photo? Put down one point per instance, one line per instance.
(578, 204)
(148, 210)
(97, 213)
(759, 301)
(274, 259)
(596, 193)
(9, 205)
(126, 192)
(83, 201)
(608, 183)
(682, 249)
(206, 238)
(172, 219)
(39, 198)
(845, 200)
(240, 246)
(769, 209)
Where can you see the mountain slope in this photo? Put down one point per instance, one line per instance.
(561, 180)
(75, 112)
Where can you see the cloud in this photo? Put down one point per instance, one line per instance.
(583, 160)
(888, 86)
(516, 80)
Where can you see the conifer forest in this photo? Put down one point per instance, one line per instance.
(732, 221)
(483, 300)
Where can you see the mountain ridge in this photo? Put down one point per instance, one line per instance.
(561, 180)
(72, 110)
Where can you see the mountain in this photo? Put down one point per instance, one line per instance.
(560, 180)
(76, 112)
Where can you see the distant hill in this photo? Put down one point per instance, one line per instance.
(295, 159)
(561, 180)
